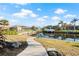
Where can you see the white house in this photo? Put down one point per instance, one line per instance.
(19, 28)
(49, 30)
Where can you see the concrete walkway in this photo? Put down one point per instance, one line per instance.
(34, 49)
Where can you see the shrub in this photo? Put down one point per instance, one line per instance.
(9, 32)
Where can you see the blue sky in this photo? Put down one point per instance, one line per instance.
(38, 14)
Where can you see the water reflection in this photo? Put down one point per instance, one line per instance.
(66, 37)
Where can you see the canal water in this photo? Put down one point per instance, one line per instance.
(57, 36)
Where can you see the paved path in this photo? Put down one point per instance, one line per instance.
(34, 49)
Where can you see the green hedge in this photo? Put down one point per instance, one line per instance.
(9, 32)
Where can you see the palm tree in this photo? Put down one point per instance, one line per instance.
(65, 26)
(61, 23)
(73, 22)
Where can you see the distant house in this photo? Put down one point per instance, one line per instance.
(19, 28)
(49, 30)
(70, 27)
(22, 28)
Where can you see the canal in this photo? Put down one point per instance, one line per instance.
(59, 36)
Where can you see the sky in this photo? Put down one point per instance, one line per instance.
(39, 14)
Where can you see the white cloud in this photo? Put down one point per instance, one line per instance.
(1, 17)
(42, 19)
(19, 14)
(70, 16)
(55, 18)
(45, 17)
(33, 15)
(39, 9)
(25, 13)
(60, 11)
(13, 20)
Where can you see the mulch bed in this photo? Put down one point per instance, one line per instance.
(13, 51)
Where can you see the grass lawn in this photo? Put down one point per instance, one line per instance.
(67, 48)
(29, 30)
(13, 38)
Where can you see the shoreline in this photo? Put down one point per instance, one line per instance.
(66, 48)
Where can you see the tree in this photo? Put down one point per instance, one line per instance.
(60, 23)
(49, 27)
(4, 23)
(73, 22)
(34, 28)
